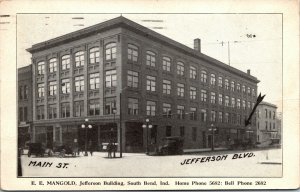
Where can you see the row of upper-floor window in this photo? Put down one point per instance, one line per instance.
(134, 109)
(181, 112)
(266, 125)
(79, 57)
(23, 114)
(110, 53)
(268, 114)
(79, 83)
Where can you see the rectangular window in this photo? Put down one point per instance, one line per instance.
(180, 89)
(221, 117)
(94, 107)
(94, 55)
(239, 119)
(166, 87)
(274, 115)
(79, 83)
(65, 62)
(193, 72)
(266, 123)
(226, 101)
(203, 95)
(203, 115)
(133, 106)
(94, 81)
(79, 59)
(132, 53)
(249, 91)
(78, 108)
(41, 90)
(193, 93)
(220, 99)
(232, 86)
(132, 79)
(220, 82)
(52, 88)
(40, 111)
(168, 131)
(232, 102)
(212, 116)
(226, 118)
(249, 105)
(20, 114)
(212, 97)
(238, 87)
(194, 132)
(151, 108)
(109, 105)
(180, 112)
(151, 83)
(180, 68)
(193, 113)
(266, 113)
(25, 114)
(203, 76)
(65, 110)
(243, 89)
(166, 64)
(226, 84)
(244, 104)
(52, 111)
(238, 103)
(150, 59)
(253, 93)
(52, 65)
(167, 111)
(41, 68)
(212, 79)
(26, 92)
(65, 86)
(110, 51)
(181, 131)
(111, 78)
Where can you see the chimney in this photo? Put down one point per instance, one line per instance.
(248, 71)
(197, 45)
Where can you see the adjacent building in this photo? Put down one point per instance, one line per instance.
(24, 104)
(268, 131)
(116, 74)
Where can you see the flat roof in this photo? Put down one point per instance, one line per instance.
(137, 28)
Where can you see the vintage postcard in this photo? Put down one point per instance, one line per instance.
(153, 99)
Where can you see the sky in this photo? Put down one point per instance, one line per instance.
(255, 40)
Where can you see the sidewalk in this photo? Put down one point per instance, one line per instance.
(186, 151)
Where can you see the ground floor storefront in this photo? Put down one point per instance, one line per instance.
(134, 138)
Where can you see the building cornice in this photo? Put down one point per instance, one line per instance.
(143, 31)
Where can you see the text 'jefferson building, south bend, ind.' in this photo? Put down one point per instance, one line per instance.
(117, 74)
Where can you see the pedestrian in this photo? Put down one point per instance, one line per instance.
(91, 148)
(109, 149)
(114, 148)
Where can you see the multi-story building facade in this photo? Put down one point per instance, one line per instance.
(267, 128)
(24, 104)
(118, 73)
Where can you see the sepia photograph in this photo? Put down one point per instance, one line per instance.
(149, 95)
(133, 95)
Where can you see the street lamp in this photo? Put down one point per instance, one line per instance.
(212, 129)
(147, 127)
(86, 126)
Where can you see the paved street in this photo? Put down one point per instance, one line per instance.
(263, 163)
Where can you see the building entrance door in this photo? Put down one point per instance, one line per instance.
(209, 141)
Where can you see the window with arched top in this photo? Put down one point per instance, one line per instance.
(166, 61)
(150, 58)
(193, 72)
(132, 52)
(212, 79)
(94, 55)
(52, 65)
(65, 62)
(41, 68)
(203, 76)
(180, 68)
(110, 51)
(79, 59)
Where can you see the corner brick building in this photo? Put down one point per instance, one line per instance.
(118, 73)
